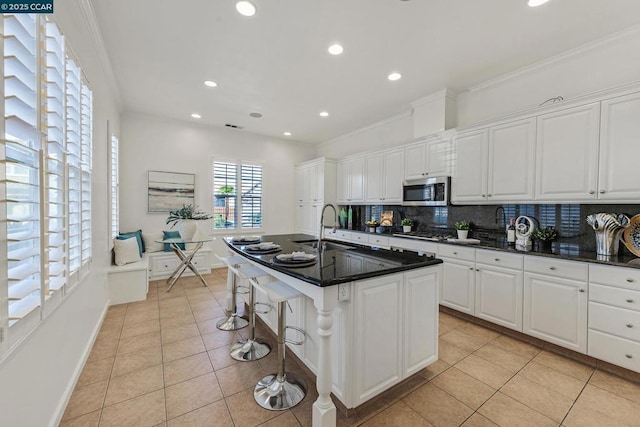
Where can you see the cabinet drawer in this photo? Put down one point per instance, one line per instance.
(616, 321)
(619, 351)
(628, 278)
(457, 252)
(343, 235)
(361, 238)
(499, 259)
(379, 241)
(615, 296)
(161, 265)
(556, 267)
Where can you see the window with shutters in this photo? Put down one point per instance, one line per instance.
(114, 181)
(237, 195)
(45, 174)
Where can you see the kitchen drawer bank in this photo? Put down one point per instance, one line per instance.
(587, 305)
(130, 282)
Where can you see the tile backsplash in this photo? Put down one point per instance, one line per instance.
(568, 219)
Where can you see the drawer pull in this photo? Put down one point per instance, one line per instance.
(496, 259)
(471, 268)
(552, 268)
(455, 253)
(629, 300)
(628, 356)
(580, 290)
(166, 266)
(629, 325)
(630, 280)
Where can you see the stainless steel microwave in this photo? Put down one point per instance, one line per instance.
(426, 191)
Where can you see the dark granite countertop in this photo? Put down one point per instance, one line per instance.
(339, 263)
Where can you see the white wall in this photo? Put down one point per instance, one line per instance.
(37, 378)
(154, 143)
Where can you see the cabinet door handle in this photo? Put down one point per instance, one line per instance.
(629, 325)
(592, 191)
(629, 300)
(426, 173)
(455, 253)
(471, 268)
(630, 280)
(477, 269)
(484, 195)
(496, 259)
(581, 290)
(628, 356)
(602, 191)
(488, 195)
(552, 268)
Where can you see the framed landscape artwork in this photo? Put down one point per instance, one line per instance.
(169, 191)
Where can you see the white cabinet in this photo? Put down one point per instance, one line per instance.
(383, 177)
(428, 158)
(555, 308)
(162, 264)
(495, 164)
(567, 154)
(619, 149)
(315, 186)
(458, 278)
(350, 181)
(499, 287)
(420, 319)
(511, 167)
(469, 182)
(614, 315)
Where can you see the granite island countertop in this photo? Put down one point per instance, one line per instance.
(339, 263)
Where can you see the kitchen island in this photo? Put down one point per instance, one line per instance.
(371, 316)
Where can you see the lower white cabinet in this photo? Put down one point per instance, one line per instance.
(499, 295)
(458, 285)
(555, 310)
(162, 264)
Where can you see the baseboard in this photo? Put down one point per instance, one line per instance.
(78, 371)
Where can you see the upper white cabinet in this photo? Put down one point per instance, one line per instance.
(495, 164)
(567, 154)
(384, 172)
(620, 149)
(351, 181)
(469, 182)
(428, 158)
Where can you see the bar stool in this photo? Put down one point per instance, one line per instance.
(281, 390)
(250, 349)
(232, 321)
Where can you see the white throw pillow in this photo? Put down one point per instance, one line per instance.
(126, 251)
(150, 244)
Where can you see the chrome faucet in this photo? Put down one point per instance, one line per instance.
(322, 226)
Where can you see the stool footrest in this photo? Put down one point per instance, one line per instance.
(242, 290)
(300, 330)
(263, 311)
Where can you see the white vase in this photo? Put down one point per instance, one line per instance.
(187, 228)
(406, 228)
(462, 234)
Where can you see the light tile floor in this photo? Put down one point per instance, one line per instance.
(163, 362)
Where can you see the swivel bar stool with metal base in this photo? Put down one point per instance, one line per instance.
(250, 349)
(232, 321)
(282, 390)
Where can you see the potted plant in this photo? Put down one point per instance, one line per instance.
(185, 220)
(462, 228)
(544, 237)
(406, 225)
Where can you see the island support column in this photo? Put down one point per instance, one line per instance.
(324, 411)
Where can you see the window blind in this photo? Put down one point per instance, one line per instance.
(73, 163)
(86, 136)
(225, 186)
(237, 195)
(251, 178)
(114, 187)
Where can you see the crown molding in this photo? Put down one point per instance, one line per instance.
(89, 15)
(444, 93)
(603, 41)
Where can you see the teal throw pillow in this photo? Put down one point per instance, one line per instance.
(138, 236)
(172, 235)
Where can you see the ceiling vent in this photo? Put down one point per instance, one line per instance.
(229, 125)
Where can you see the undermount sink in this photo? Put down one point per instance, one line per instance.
(326, 245)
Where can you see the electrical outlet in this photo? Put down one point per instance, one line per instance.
(344, 292)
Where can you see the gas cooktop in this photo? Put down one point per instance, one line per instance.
(419, 235)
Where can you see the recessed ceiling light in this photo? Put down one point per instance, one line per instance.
(210, 83)
(246, 8)
(394, 76)
(287, 134)
(255, 115)
(196, 116)
(335, 49)
(536, 3)
(324, 114)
